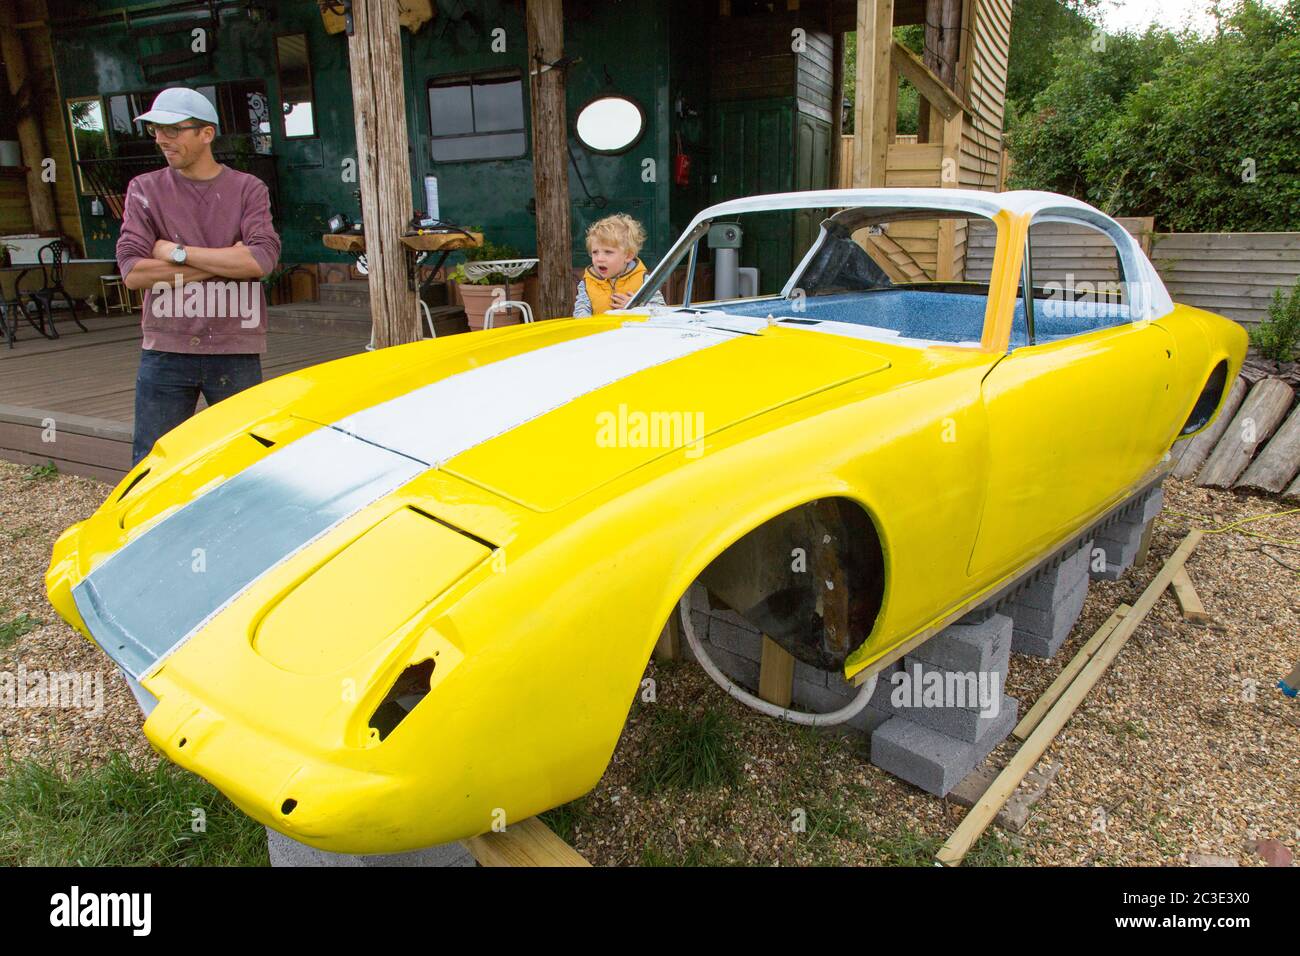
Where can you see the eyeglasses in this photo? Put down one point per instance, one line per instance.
(169, 132)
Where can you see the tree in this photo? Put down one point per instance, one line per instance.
(1037, 27)
(1199, 132)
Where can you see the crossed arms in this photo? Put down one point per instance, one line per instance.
(144, 259)
(232, 262)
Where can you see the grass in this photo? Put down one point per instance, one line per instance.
(565, 819)
(121, 814)
(993, 849)
(699, 853)
(41, 472)
(13, 628)
(1130, 728)
(689, 752)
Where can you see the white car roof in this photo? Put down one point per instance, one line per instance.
(1150, 298)
(975, 201)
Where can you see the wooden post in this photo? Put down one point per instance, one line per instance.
(550, 158)
(872, 122)
(383, 167)
(947, 264)
(669, 645)
(45, 219)
(837, 102)
(943, 38)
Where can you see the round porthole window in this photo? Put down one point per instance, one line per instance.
(610, 124)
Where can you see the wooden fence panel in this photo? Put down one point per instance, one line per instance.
(1231, 273)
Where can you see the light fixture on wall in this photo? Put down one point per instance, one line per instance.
(96, 207)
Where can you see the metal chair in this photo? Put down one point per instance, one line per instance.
(115, 284)
(58, 253)
(9, 312)
(504, 305)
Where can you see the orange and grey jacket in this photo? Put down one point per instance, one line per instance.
(596, 293)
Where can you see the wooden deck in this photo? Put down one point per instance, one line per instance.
(85, 383)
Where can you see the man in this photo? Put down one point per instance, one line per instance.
(197, 236)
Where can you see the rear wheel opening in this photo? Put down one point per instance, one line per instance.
(1208, 401)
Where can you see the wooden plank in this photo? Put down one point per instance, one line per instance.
(1199, 448)
(1189, 602)
(1255, 421)
(1279, 462)
(775, 674)
(1261, 272)
(1068, 673)
(980, 815)
(530, 843)
(922, 156)
(1218, 241)
(933, 89)
(1245, 289)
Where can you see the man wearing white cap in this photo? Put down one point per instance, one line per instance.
(197, 236)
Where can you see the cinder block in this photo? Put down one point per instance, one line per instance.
(734, 619)
(1077, 563)
(968, 647)
(1047, 643)
(1111, 572)
(742, 670)
(820, 699)
(809, 674)
(744, 643)
(700, 625)
(1119, 552)
(967, 724)
(1056, 584)
(884, 687)
(1046, 622)
(931, 760)
(1151, 506)
(284, 851)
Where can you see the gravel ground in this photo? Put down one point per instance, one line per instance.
(34, 511)
(1184, 747)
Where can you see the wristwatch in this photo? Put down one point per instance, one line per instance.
(179, 255)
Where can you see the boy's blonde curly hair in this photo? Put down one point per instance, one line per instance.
(619, 230)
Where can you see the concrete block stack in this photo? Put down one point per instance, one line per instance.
(1044, 610)
(933, 743)
(1120, 537)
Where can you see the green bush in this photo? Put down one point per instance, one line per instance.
(1278, 336)
(1199, 132)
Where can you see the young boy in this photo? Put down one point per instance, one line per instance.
(615, 273)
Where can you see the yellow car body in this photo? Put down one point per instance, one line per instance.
(534, 561)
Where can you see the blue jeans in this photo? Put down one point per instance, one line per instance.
(168, 385)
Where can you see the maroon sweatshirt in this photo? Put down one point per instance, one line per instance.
(219, 315)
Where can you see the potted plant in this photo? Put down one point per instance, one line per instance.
(477, 295)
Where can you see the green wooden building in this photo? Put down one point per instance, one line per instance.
(735, 98)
